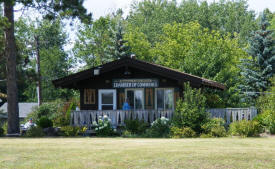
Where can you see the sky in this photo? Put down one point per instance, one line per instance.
(104, 7)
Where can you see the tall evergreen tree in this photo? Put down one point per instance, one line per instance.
(260, 68)
(118, 49)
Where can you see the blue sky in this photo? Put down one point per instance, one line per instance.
(103, 7)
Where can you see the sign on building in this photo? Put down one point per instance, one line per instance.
(135, 83)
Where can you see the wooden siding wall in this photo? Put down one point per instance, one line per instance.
(104, 81)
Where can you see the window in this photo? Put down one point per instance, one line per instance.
(164, 99)
(107, 99)
(135, 98)
(89, 96)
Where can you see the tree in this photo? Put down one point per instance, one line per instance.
(101, 41)
(139, 43)
(260, 68)
(54, 61)
(225, 16)
(196, 50)
(93, 40)
(50, 9)
(191, 112)
(118, 49)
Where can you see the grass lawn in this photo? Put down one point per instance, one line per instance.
(79, 153)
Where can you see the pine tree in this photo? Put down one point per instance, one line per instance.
(258, 70)
(119, 49)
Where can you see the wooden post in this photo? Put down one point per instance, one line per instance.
(39, 93)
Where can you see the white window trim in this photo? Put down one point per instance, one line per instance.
(100, 91)
(156, 101)
(142, 89)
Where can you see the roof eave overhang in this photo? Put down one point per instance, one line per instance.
(71, 80)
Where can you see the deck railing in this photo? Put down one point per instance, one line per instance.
(118, 117)
(233, 114)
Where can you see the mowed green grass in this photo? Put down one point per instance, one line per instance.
(79, 153)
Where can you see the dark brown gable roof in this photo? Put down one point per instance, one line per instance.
(146, 66)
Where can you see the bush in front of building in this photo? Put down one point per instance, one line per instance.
(58, 112)
(136, 127)
(44, 122)
(45, 110)
(35, 131)
(104, 127)
(191, 111)
(245, 128)
(214, 128)
(185, 132)
(160, 128)
(63, 115)
(70, 131)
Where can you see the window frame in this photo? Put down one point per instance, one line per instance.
(100, 91)
(156, 98)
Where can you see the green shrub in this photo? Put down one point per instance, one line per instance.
(214, 128)
(35, 132)
(70, 130)
(44, 122)
(58, 112)
(104, 127)
(1, 132)
(186, 132)
(136, 126)
(266, 106)
(129, 134)
(203, 135)
(45, 110)
(191, 111)
(5, 128)
(159, 128)
(245, 128)
(63, 115)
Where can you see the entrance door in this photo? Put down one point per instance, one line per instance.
(107, 99)
(135, 98)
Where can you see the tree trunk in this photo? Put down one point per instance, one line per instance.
(10, 53)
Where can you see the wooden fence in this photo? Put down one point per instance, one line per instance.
(233, 114)
(118, 117)
(87, 117)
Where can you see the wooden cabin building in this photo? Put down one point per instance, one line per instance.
(151, 90)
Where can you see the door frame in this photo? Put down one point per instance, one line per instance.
(143, 98)
(100, 91)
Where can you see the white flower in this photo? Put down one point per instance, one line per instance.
(105, 117)
(94, 123)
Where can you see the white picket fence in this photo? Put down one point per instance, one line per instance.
(118, 117)
(233, 114)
